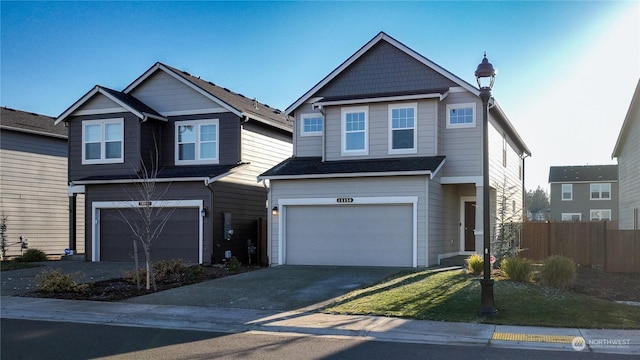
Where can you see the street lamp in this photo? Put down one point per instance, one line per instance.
(485, 75)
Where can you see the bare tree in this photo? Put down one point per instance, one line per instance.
(508, 224)
(151, 212)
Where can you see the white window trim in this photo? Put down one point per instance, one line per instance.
(392, 107)
(303, 117)
(102, 123)
(562, 192)
(571, 214)
(461, 106)
(600, 191)
(197, 160)
(600, 210)
(349, 110)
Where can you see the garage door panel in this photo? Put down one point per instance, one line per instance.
(361, 235)
(178, 240)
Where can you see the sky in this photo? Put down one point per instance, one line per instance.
(566, 69)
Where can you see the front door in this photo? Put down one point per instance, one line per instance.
(469, 225)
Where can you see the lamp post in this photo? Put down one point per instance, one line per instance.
(485, 75)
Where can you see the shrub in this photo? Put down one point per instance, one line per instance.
(558, 271)
(54, 281)
(234, 264)
(475, 264)
(517, 269)
(170, 270)
(32, 255)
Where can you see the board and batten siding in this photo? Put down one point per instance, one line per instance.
(33, 192)
(169, 96)
(353, 187)
(461, 146)
(378, 130)
(629, 173)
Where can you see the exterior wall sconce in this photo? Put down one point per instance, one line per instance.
(203, 212)
(274, 211)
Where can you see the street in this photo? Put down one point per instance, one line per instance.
(27, 339)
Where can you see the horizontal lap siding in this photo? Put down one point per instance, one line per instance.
(306, 145)
(629, 173)
(462, 147)
(353, 187)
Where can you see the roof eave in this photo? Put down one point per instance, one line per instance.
(627, 122)
(346, 175)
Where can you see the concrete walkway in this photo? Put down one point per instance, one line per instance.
(177, 310)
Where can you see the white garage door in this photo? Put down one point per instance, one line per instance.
(350, 235)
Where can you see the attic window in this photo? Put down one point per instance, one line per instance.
(311, 124)
(461, 115)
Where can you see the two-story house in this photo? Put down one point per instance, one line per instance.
(207, 145)
(387, 165)
(584, 193)
(33, 190)
(627, 151)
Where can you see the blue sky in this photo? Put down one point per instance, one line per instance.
(566, 70)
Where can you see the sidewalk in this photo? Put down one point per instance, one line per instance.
(304, 321)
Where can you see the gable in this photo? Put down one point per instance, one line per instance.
(171, 97)
(99, 104)
(385, 69)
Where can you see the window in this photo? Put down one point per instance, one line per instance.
(103, 141)
(600, 191)
(571, 216)
(197, 142)
(603, 214)
(402, 128)
(567, 192)
(311, 124)
(461, 115)
(354, 130)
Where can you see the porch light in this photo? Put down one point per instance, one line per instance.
(485, 75)
(274, 211)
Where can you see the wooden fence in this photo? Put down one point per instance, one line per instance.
(587, 243)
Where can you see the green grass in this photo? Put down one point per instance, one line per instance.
(455, 296)
(15, 265)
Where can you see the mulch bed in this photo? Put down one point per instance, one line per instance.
(121, 289)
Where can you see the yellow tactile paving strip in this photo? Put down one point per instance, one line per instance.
(559, 339)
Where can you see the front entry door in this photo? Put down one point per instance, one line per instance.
(469, 225)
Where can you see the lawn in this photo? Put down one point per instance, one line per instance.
(455, 296)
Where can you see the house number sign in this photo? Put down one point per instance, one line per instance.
(344, 200)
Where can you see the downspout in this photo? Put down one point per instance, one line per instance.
(269, 222)
(211, 196)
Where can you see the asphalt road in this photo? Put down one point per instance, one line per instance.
(27, 339)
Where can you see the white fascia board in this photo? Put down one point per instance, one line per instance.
(345, 175)
(133, 181)
(435, 172)
(159, 66)
(357, 200)
(452, 180)
(583, 181)
(364, 49)
(230, 172)
(75, 189)
(28, 131)
(76, 105)
(379, 99)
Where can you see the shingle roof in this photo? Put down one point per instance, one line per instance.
(310, 166)
(250, 107)
(23, 121)
(568, 174)
(205, 171)
(132, 102)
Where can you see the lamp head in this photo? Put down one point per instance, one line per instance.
(485, 74)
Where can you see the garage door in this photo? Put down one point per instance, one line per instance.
(179, 239)
(350, 235)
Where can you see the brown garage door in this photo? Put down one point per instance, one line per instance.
(179, 239)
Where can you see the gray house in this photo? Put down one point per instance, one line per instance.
(627, 150)
(210, 144)
(387, 165)
(33, 185)
(584, 193)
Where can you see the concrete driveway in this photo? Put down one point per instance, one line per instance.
(282, 288)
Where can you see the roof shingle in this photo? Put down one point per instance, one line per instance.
(569, 174)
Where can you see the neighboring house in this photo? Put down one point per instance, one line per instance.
(584, 193)
(211, 144)
(627, 150)
(33, 181)
(387, 165)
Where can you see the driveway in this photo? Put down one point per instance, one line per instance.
(281, 288)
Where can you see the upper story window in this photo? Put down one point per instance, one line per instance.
(461, 115)
(103, 141)
(311, 124)
(197, 142)
(567, 192)
(354, 130)
(600, 191)
(402, 128)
